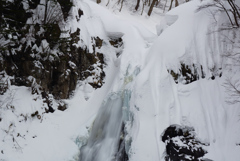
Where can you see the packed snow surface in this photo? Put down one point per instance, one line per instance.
(151, 47)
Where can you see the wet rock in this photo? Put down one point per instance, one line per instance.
(121, 154)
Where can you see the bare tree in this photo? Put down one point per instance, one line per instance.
(232, 87)
(232, 38)
(121, 4)
(176, 3)
(170, 5)
(232, 12)
(151, 7)
(144, 3)
(165, 6)
(107, 2)
(137, 5)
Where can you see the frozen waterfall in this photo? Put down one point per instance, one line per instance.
(104, 140)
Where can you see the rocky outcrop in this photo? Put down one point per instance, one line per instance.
(37, 52)
(182, 144)
(190, 73)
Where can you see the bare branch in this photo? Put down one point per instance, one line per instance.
(232, 87)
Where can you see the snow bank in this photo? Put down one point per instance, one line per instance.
(191, 39)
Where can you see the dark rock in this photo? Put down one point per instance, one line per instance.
(181, 144)
(33, 3)
(39, 117)
(80, 13)
(14, 14)
(186, 74)
(55, 72)
(62, 106)
(190, 73)
(34, 114)
(121, 154)
(75, 36)
(98, 42)
(3, 84)
(52, 34)
(50, 109)
(66, 5)
(116, 42)
(21, 81)
(48, 101)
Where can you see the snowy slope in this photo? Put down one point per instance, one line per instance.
(201, 104)
(155, 100)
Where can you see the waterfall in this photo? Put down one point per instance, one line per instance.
(107, 140)
(104, 141)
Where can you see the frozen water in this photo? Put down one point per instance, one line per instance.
(104, 137)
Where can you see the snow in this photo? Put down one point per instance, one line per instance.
(156, 102)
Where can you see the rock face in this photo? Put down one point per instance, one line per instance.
(186, 74)
(190, 73)
(36, 52)
(182, 144)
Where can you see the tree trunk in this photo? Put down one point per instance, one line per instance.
(226, 11)
(137, 6)
(233, 6)
(108, 3)
(165, 6)
(121, 6)
(98, 1)
(144, 3)
(151, 7)
(46, 12)
(170, 5)
(176, 3)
